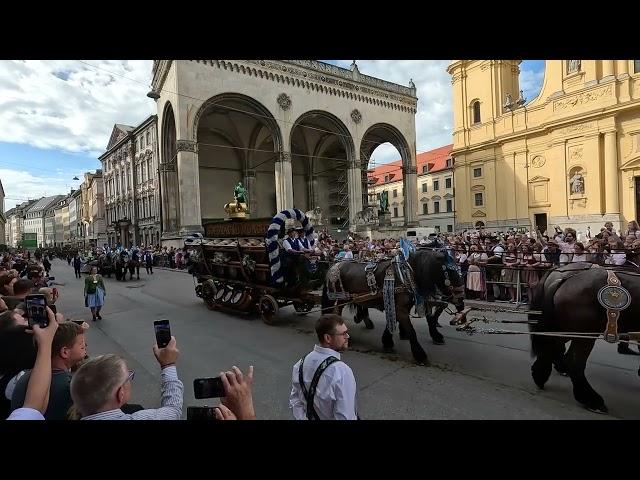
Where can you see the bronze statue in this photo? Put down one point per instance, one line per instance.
(240, 193)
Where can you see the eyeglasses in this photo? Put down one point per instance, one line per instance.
(130, 377)
(344, 334)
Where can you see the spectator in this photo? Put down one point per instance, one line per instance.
(94, 293)
(579, 254)
(237, 403)
(35, 403)
(103, 385)
(68, 349)
(324, 387)
(7, 281)
(633, 230)
(21, 289)
(77, 264)
(475, 281)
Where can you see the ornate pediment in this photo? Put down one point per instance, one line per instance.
(436, 197)
(631, 164)
(424, 199)
(447, 195)
(538, 178)
(117, 134)
(479, 213)
(477, 188)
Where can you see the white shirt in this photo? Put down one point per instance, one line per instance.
(335, 397)
(348, 255)
(498, 250)
(25, 413)
(616, 259)
(287, 244)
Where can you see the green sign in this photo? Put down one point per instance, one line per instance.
(29, 240)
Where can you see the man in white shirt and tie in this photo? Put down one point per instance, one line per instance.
(326, 381)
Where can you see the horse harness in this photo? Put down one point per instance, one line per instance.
(614, 298)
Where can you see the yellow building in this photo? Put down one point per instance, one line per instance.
(569, 157)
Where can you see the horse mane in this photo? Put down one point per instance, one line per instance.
(427, 269)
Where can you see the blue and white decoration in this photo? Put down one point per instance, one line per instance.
(271, 239)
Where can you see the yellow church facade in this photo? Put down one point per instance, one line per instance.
(569, 157)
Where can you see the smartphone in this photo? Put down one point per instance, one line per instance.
(208, 388)
(36, 310)
(163, 332)
(201, 413)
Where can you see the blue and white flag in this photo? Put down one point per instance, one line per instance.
(407, 247)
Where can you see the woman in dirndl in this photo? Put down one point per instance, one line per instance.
(94, 293)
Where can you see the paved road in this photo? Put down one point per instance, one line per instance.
(471, 377)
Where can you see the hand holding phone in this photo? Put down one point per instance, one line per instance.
(208, 388)
(163, 333)
(36, 310)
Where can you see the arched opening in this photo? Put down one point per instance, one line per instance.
(384, 144)
(321, 152)
(238, 141)
(169, 171)
(475, 106)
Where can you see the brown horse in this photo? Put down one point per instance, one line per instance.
(434, 274)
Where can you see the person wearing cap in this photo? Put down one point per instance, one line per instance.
(303, 242)
(290, 243)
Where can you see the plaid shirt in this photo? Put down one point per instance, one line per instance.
(171, 409)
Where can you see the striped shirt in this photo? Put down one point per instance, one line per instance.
(171, 409)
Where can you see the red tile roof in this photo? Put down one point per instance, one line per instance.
(436, 158)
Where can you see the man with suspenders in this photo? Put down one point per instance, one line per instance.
(324, 387)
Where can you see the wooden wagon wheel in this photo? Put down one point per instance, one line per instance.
(209, 292)
(268, 308)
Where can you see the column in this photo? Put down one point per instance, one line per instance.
(607, 70)
(410, 188)
(611, 173)
(354, 185)
(284, 182)
(250, 185)
(188, 187)
(623, 68)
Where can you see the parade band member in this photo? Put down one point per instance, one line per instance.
(305, 246)
(94, 293)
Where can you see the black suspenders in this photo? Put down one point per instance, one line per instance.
(309, 395)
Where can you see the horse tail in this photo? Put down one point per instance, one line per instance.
(541, 301)
(327, 304)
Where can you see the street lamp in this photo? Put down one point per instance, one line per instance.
(153, 95)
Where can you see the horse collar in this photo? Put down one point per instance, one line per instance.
(614, 298)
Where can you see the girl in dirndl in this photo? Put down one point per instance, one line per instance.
(94, 293)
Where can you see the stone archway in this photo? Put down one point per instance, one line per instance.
(322, 152)
(379, 134)
(169, 172)
(238, 140)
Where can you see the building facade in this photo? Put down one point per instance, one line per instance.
(569, 157)
(3, 218)
(97, 234)
(295, 133)
(15, 223)
(434, 185)
(34, 221)
(132, 191)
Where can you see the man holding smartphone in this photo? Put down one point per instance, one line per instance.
(102, 386)
(324, 387)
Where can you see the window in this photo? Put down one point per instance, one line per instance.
(424, 188)
(449, 163)
(425, 168)
(477, 172)
(395, 193)
(395, 211)
(148, 138)
(449, 228)
(636, 66)
(425, 209)
(476, 111)
(479, 201)
(573, 66)
(386, 178)
(447, 183)
(449, 205)
(436, 207)
(436, 185)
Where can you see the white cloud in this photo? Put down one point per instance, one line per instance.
(70, 106)
(20, 185)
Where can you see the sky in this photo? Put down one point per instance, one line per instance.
(57, 116)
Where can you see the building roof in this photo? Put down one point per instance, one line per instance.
(10, 212)
(436, 159)
(44, 203)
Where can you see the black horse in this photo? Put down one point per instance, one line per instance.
(433, 273)
(567, 298)
(105, 265)
(121, 264)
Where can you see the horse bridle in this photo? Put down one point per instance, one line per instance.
(614, 298)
